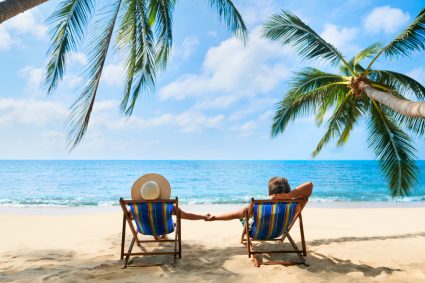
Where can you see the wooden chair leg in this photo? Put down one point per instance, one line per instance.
(300, 257)
(179, 225)
(175, 243)
(243, 235)
(127, 257)
(248, 238)
(123, 237)
(302, 236)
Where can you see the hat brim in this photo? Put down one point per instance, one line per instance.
(164, 186)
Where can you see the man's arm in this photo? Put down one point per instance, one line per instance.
(304, 190)
(229, 215)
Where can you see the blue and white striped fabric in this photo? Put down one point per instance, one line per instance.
(153, 218)
(271, 219)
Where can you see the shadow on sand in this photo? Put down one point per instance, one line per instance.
(201, 263)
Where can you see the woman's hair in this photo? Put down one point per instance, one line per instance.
(278, 185)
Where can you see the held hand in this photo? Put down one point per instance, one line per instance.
(210, 218)
(206, 216)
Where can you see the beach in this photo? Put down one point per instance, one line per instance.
(345, 243)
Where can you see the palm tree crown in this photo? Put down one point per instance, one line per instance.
(140, 30)
(312, 91)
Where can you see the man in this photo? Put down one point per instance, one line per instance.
(278, 189)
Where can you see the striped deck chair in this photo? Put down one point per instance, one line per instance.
(153, 218)
(272, 221)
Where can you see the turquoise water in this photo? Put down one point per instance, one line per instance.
(97, 183)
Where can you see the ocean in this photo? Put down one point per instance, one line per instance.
(102, 183)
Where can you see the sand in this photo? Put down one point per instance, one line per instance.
(384, 244)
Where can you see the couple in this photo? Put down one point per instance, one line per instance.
(154, 186)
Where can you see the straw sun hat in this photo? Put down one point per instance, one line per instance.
(150, 187)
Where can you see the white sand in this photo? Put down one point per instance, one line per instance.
(344, 245)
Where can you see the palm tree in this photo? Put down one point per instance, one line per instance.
(140, 30)
(354, 94)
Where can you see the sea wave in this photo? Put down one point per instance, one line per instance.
(195, 201)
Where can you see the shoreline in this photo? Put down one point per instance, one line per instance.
(199, 208)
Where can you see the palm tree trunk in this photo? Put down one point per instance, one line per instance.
(11, 8)
(402, 106)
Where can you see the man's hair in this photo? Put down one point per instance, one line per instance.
(278, 185)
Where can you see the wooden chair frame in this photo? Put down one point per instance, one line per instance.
(128, 219)
(301, 253)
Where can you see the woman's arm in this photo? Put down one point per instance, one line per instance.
(190, 216)
(229, 215)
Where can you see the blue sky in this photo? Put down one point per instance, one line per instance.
(215, 100)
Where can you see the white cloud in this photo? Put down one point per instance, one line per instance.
(218, 102)
(233, 69)
(188, 121)
(340, 37)
(189, 45)
(5, 39)
(30, 111)
(78, 57)
(27, 23)
(105, 114)
(385, 19)
(248, 127)
(212, 34)
(256, 12)
(33, 76)
(113, 74)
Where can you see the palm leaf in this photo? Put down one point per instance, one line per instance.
(82, 108)
(230, 15)
(127, 41)
(161, 15)
(310, 78)
(368, 52)
(394, 150)
(412, 124)
(137, 39)
(71, 20)
(307, 95)
(290, 30)
(354, 63)
(409, 40)
(357, 110)
(341, 122)
(145, 64)
(400, 83)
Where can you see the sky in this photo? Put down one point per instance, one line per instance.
(215, 99)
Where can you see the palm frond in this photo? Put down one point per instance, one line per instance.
(354, 63)
(368, 52)
(412, 124)
(231, 16)
(82, 108)
(409, 40)
(394, 150)
(127, 41)
(290, 30)
(161, 16)
(344, 117)
(71, 20)
(310, 78)
(401, 83)
(310, 91)
(145, 64)
(357, 110)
